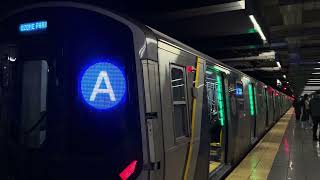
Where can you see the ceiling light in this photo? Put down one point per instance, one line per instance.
(316, 73)
(313, 79)
(313, 83)
(257, 27)
(284, 76)
(306, 92)
(242, 4)
(268, 53)
(278, 64)
(317, 68)
(311, 88)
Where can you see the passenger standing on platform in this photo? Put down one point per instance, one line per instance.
(297, 108)
(315, 113)
(305, 111)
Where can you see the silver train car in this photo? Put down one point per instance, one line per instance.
(87, 94)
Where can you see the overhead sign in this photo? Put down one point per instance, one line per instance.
(33, 26)
(103, 85)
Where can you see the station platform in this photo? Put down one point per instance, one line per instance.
(287, 152)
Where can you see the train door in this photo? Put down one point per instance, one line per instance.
(274, 106)
(266, 101)
(251, 93)
(181, 131)
(216, 117)
(271, 107)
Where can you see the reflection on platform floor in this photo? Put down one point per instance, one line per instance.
(298, 157)
(257, 164)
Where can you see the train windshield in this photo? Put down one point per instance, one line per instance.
(69, 99)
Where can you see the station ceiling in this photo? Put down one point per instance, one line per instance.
(224, 30)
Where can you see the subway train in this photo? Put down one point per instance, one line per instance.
(88, 94)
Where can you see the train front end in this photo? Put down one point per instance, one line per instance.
(69, 96)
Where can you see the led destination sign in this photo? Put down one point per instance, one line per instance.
(33, 26)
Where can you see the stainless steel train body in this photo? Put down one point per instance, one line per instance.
(181, 114)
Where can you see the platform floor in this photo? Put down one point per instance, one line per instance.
(259, 163)
(298, 157)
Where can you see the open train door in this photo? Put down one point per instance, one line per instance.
(216, 103)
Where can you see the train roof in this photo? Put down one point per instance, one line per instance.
(167, 39)
(182, 46)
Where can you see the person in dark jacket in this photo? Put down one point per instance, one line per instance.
(305, 111)
(297, 108)
(315, 113)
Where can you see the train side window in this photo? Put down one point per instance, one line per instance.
(34, 102)
(239, 94)
(178, 85)
(239, 89)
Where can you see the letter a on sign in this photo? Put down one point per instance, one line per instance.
(103, 77)
(103, 85)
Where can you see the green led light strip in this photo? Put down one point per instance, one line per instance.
(251, 99)
(220, 99)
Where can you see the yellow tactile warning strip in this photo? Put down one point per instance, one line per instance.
(257, 164)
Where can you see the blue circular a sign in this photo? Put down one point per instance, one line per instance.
(103, 85)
